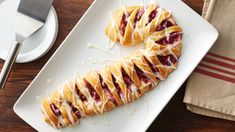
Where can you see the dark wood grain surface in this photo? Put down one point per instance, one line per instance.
(174, 117)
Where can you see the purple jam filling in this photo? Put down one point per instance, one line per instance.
(173, 37)
(167, 60)
(152, 15)
(81, 96)
(123, 24)
(75, 110)
(119, 91)
(126, 78)
(141, 75)
(55, 109)
(153, 68)
(107, 91)
(92, 91)
(139, 15)
(163, 25)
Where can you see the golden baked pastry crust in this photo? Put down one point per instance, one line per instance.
(127, 79)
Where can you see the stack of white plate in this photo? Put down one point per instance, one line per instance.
(36, 45)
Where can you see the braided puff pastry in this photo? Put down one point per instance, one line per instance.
(127, 79)
(133, 24)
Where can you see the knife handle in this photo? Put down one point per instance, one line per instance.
(10, 60)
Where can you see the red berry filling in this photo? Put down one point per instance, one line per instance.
(141, 75)
(173, 37)
(119, 91)
(126, 78)
(152, 15)
(92, 91)
(129, 83)
(167, 60)
(163, 25)
(75, 110)
(107, 91)
(154, 69)
(55, 109)
(81, 96)
(123, 24)
(139, 15)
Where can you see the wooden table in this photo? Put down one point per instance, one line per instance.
(174, 117)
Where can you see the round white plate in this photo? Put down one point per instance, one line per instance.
(33, 47)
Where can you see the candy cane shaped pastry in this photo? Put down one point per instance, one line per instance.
(127, 79)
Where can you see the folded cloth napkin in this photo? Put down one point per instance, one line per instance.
(211, 87)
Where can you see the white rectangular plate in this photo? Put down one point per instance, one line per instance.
(74, 55)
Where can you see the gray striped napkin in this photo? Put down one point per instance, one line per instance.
(211, 87)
